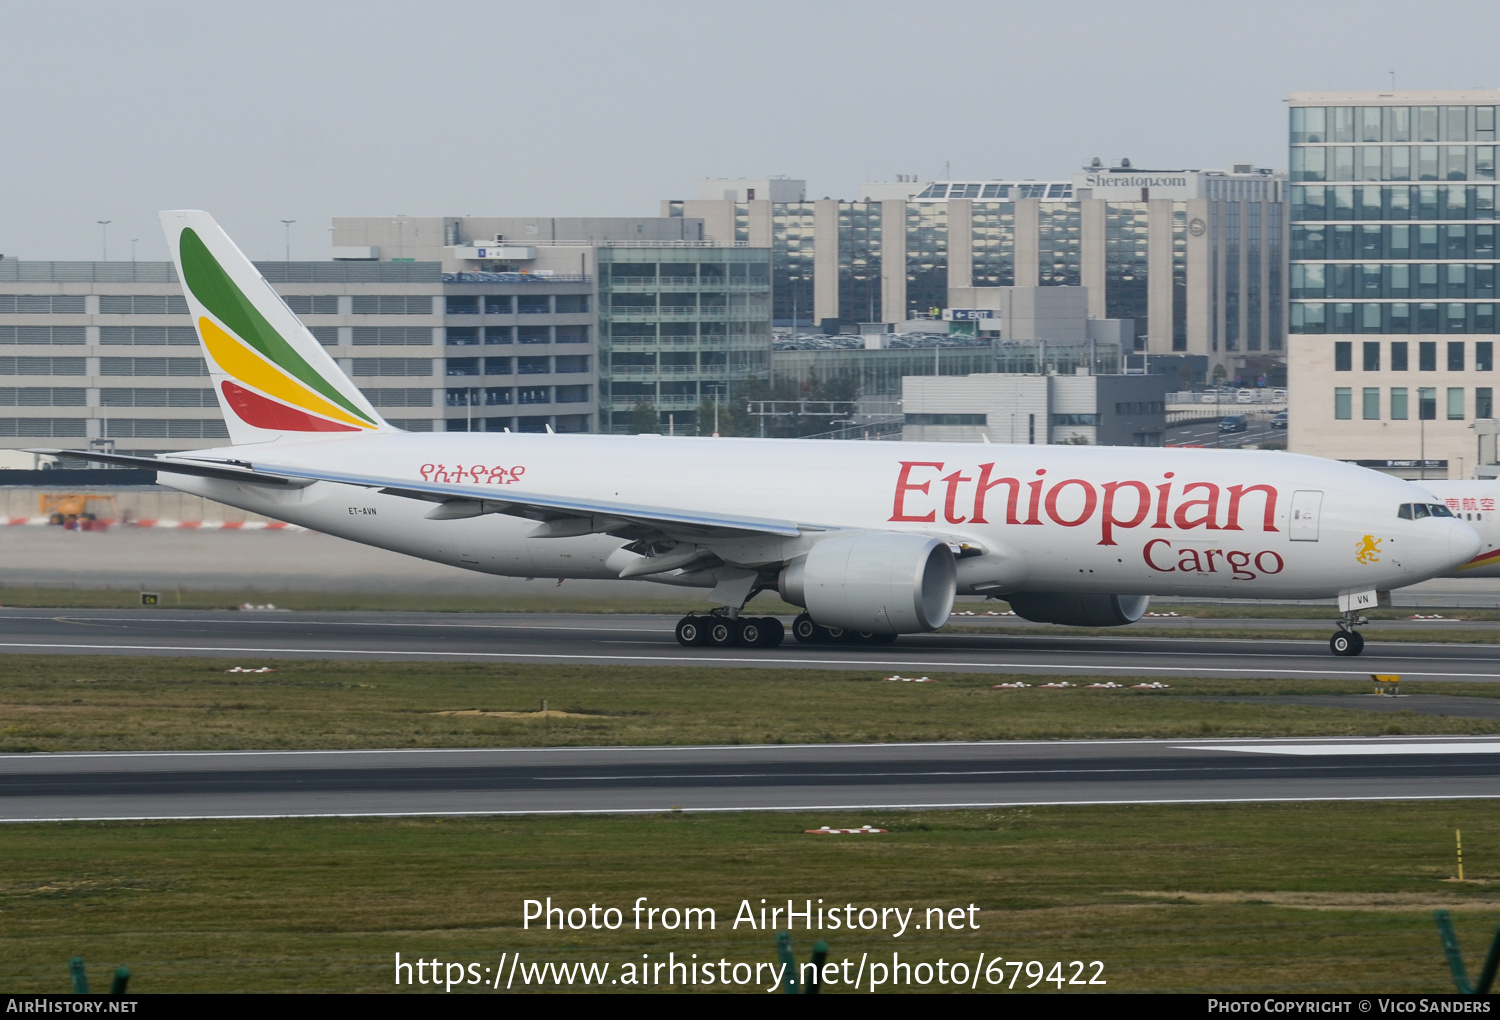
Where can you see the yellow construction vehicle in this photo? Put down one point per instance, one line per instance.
(76, 510)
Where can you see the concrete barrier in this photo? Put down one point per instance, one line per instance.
(144, 506)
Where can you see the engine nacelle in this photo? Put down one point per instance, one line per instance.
(879, 582)
(1074, 609)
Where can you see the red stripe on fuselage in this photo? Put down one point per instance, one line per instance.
(1483, 560)
(264, 413)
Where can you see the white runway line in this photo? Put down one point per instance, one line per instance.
(1469, 747)
(679, 660)
(791, 808)
(653, 749)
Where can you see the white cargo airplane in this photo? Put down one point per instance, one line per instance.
(873, 539)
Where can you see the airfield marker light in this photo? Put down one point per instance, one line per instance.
(788, 965)
(819, 957)
(81, 978)
(1456, 960)
(1387, 678)
(1458, 839)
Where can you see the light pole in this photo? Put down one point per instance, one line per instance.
(132, 249)
(104, 239)
(288, 225)
(717, 388)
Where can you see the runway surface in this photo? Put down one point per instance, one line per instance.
(40, 787)
(247, 637)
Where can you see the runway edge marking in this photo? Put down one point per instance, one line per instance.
(768, 662)
(957, 806)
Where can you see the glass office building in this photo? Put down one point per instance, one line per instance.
(1391, 284)
(679, 323)
(1192, 258)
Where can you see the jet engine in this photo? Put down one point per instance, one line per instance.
(1074, 609)
(876, 582)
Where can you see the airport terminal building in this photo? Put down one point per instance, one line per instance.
(104, 353)
(487, 324)
(440, 325)
(1194, 258)
(1392, 277)
(673, 317)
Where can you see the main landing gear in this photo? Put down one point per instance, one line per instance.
(1348, 641)
(810, 633)
(724, 631)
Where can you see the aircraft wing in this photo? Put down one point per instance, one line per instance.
(472, 500)
(565, 515)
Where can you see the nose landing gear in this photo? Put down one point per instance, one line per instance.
(1348, 641)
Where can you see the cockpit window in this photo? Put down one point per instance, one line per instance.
(1416, 511)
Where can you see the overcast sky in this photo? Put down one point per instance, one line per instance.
(267, 111)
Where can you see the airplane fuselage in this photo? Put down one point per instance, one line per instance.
(1247, 524)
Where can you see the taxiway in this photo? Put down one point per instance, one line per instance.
(248, 784)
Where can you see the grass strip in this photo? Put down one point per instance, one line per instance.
(1326, 897)
(128, 703)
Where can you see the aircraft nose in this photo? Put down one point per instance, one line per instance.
(1463, 543)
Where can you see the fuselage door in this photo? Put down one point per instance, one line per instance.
(1306, 503)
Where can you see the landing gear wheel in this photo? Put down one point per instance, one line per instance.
(723, 632)
(867, 638)
(1346, 642)
(752, 631)
(772, 632)
(808, 632)
(691, 631)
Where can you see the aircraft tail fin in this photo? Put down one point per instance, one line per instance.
(271, 376)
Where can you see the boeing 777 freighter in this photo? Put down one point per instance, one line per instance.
(872, 539)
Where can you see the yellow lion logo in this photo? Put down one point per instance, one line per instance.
(1369, 547)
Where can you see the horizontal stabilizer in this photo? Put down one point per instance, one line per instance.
(198, 468)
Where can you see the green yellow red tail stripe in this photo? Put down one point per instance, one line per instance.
(271, 375)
